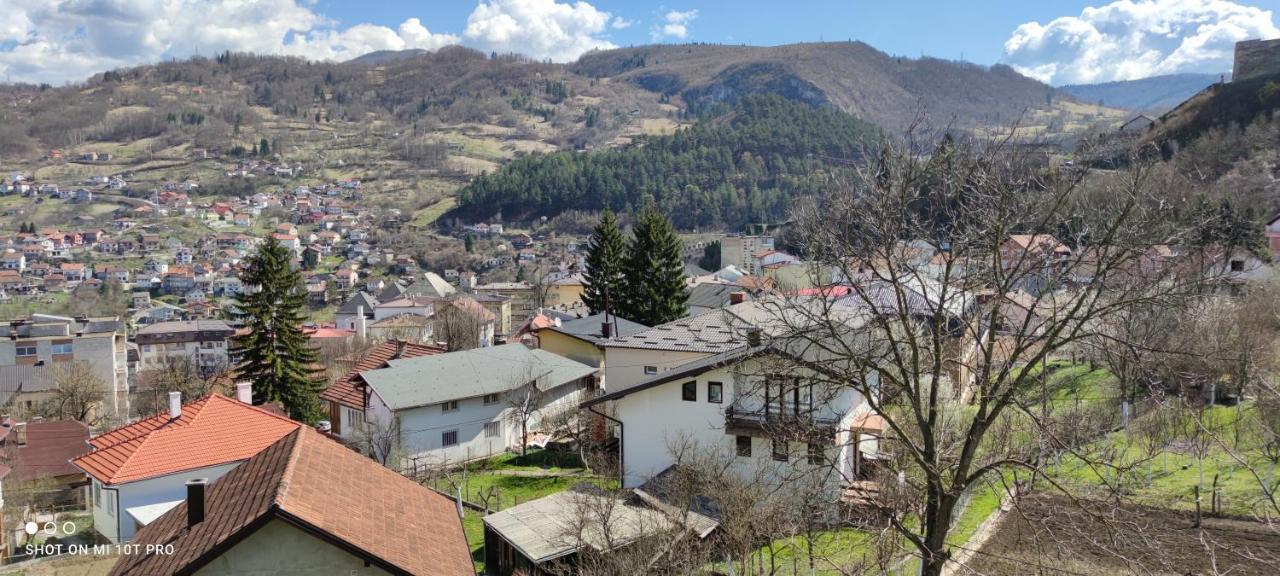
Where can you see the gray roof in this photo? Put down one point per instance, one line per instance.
(589, 328)
(25, 378)
(186, 326)
(552, 527)
(46, 325)
(431, 284)
(712, 331)
(426, 380)
(356, 301)
(709, 295)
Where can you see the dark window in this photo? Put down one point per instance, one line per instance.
(490, 398)
(689, 391)
(780, 450)
(650, 369)
(715, 392)
(449, 438)
(449, 406)
(744, 446)
(1237, 265)
(816, 455)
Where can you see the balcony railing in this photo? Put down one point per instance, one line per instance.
(780, 421)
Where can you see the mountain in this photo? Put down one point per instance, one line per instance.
(889, 91)
(1155, 94)
(379, 57)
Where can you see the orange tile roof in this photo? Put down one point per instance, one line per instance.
(211, 431)
(345, 391)
(320, 486)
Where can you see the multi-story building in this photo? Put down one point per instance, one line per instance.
(47, 342)
(205, 342)
(740, 250)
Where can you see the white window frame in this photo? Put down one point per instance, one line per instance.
(493, 429)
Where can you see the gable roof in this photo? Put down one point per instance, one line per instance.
(211, 431)
(325, 489)
(589, 328)
(352, 305)
(425, 380)
(49, 449)
(711, 331)
(348, 390)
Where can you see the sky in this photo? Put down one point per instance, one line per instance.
(1056, 41)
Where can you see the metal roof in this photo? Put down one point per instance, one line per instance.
(426, 380)
(552, 527)
(589, 328)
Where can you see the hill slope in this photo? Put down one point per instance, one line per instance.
(886, 90)
(1155, 94)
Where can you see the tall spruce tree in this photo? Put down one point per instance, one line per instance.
(602, 280)
(275, 354)
(654, 272)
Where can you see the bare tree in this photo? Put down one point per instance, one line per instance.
(176, 374)
(524, 405)
(78, 396)
(972, 266)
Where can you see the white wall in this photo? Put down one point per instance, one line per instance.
(150, 491)
(422, 428)
(656, 419)
(624, 367)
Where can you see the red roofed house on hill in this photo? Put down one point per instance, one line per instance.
(139, 471)
(305, 505)
(348, 396)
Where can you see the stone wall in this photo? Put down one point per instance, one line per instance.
(1256, 58)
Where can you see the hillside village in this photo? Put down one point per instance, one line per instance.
(826, 399)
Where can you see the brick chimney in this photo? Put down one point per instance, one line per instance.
(737, 297)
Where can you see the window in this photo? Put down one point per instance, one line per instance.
(780, 450)
(356, 417)
(689, 391)
(449, 406)
(97, 494)
(64, 348)
(650, 370)
(490, 398)
(816, 455)
(111, 504)
(449, 438)
(744, 446)
(715, 392)
(492, 429)
(1237, 265)
(25, 350)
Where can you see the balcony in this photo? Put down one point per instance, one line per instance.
(790, 422)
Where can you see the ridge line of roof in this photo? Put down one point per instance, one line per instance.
(286, 477)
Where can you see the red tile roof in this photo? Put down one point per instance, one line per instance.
(346, 391)
(211, 431)
(319, 486)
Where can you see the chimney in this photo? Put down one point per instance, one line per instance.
(20, 433)
(244, 392)
(606, 330)
(195, 501)
(737, 297)
(175, 405)
(753, 337)
(362, 329)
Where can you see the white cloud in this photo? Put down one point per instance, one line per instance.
(60, 40)
(1130, 39)
(674, 24)
(538, 28)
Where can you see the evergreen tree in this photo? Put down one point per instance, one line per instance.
(275, 354)
(710, 259)
(602, 279)
(264, 149)
(310, 259)
(654, 272)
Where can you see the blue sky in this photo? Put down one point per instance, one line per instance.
(1057, 41)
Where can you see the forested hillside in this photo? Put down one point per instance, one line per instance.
(739, 163)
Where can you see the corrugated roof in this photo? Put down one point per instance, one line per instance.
(310, 481)
(426, 380)
(550, 527)
(211, 431)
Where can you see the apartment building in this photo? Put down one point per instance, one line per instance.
(740, 251)
(205, 342)
(46, 342)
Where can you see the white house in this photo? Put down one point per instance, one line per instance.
(469, 404)
(760, 405)
(140, 471)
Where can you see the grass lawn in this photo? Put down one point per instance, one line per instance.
(473, 527)
(427, 216)
(833, 552)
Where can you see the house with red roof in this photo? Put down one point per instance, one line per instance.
(305, 505)
(348, 397)
(139, 471)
